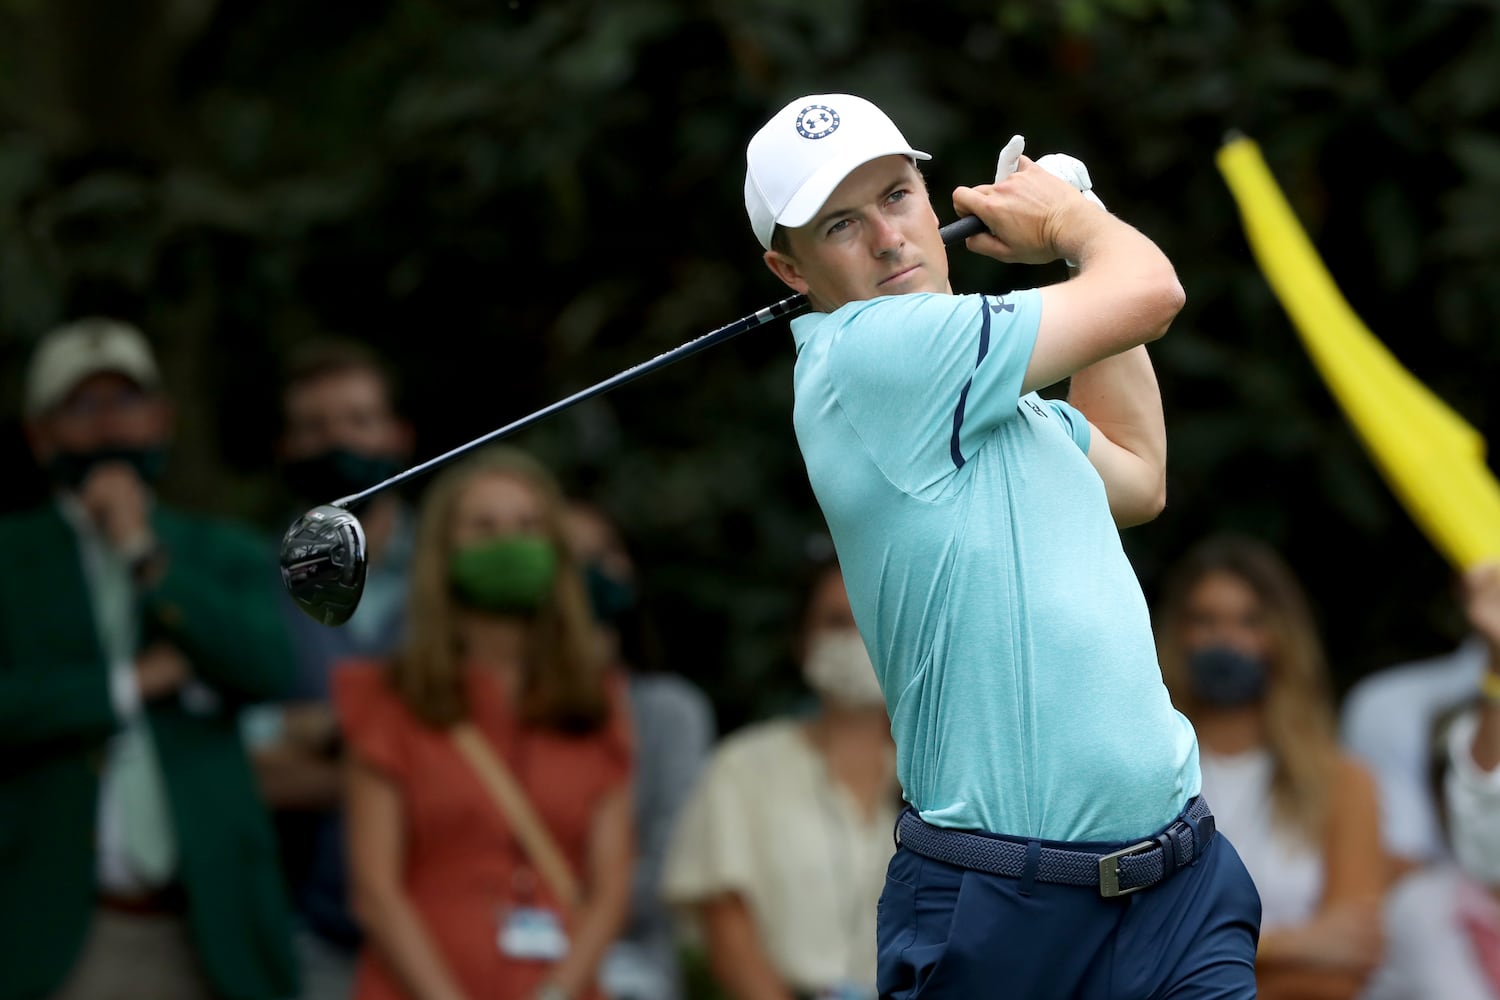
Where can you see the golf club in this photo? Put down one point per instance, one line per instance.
(323, 554)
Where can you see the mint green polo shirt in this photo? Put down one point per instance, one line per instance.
(986, 574)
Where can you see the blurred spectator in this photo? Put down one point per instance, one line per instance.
(1443, 923)
(1387, 722)
(1241, 655)
(781, 852)
(499, 638)
(340, 434)
(138, 858)
(674, 729)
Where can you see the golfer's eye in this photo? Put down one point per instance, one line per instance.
(898, 195)
(838, 227)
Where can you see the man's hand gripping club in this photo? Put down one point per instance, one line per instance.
(1022, 246)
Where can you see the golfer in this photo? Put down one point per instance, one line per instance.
(1055, 843)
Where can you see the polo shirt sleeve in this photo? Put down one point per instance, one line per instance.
(1076, 423)
(924, 379)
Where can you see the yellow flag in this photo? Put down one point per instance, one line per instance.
(1431, 458)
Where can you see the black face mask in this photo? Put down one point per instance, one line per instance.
(1226, 678)
(609, 596)
(337, 473)
(70, 468)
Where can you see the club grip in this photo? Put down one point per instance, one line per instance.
(957, 232)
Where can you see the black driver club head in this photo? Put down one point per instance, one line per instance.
(323, 560)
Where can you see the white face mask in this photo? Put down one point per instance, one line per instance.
(839, 669)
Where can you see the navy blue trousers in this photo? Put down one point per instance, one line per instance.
(946, 932)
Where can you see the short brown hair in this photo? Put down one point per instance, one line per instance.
(328, 356)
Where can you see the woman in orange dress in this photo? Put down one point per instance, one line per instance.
(499, 636)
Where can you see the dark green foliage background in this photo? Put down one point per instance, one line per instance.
(516, 200)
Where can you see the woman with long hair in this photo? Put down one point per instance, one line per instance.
(500, 641)
(1240, 653)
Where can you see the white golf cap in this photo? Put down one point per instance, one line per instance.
(69, 354)
(798, 157)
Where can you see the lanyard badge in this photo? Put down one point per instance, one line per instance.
(532, 933)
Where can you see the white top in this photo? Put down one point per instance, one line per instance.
(1387, 722)
(1286, 868)
(768, 823)
(1472, 796)
(113, 867)
(1428, 954)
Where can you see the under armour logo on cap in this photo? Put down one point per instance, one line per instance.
(787, 180)
(816, 121)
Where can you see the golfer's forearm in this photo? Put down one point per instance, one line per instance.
(1125, 273)
(1128, 440)
(1120, 396)
(1125, 294)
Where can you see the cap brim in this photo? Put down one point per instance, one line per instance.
(815, 191)
(45, 397)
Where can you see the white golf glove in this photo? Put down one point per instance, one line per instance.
(1070, 169)
(1060, 165)
(1009, 157)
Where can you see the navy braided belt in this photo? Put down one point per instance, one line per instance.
(1114, 873)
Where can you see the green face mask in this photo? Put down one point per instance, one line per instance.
(505, 575)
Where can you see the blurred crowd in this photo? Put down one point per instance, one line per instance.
(487, 785)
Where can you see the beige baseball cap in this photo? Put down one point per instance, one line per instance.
(798, 157)
(71, 353)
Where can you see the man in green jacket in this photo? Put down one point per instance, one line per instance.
(136, 860)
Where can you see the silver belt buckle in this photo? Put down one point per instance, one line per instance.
(1109, 869)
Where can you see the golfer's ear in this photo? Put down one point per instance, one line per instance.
(785, 268)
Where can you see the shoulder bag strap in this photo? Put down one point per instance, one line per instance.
(511, 800)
